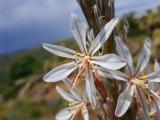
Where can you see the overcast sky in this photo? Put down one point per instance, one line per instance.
(29, 23)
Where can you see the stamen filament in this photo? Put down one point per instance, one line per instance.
(76, 79)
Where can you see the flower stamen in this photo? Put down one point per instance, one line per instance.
(144, 77)
(76, 80)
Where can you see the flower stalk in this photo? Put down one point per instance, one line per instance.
(132, 97)
(104, 13)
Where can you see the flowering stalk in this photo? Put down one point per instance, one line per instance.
(132, 98)
(97, 14)
(87, 7)
(100, 12)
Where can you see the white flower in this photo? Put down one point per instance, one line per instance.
(76, 103)
(137, 81)
(86, 61)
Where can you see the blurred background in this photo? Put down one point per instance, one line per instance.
(26, 24)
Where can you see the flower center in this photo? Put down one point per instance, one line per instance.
(137, 81)
(140, 82)
(86, 60)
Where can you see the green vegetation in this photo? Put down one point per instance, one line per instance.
(24, 67)
(7, 92)
(134, 26)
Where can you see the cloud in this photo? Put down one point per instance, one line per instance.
(28, 23)
(20, 12)
(17, 12)
(126, 6)
(13, 12)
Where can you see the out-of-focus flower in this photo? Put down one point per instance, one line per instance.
(136, 79)
(86, 61)
(155, 87)
(76, 103)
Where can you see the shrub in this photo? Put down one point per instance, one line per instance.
(25, 66)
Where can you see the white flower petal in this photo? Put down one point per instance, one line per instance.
(90, 36)
(59, 50)
(60, 72)
(144, 58)
(65, 94)
(124, 52)
(124, 101)
(66, 113)
(153, 77)
(112, 74)
(153, 86)
(156, 66)
(103, 36)
(91, 89)
(157, 106)
(143, 103)
(72, 89)
(79, 31)
(109, 61)
(85, 113)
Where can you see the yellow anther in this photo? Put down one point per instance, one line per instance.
(98, 98)
(69, 104)
(72, 104)
(76, 56)
(79, 56)
(82, 55)
(144, 77)
(139, 82)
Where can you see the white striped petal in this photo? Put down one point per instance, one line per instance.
(124, 52)
(112, 74)
(59, 50)
(157, 106)
(153, 77)
(72, 89)
(143, 103)
(60, 72)
(85, 113)
(144, 58)
(90, 36)
(66, 113)
(103, 36)
(65, 94)
(79, 31)
(156, 66)
(91, 89)
(124, 101)
(109, 61)
(153, 86)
